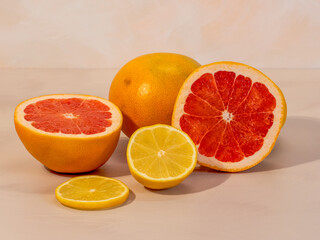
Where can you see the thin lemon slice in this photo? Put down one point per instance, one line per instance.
(92, 192)
(161, 156)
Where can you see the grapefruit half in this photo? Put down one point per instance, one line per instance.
(232, 112)
(69, 133)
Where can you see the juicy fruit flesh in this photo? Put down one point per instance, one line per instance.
(69, 116)
(227, 115)
(160, 153)
(91, 189)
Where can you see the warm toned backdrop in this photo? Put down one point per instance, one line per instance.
(106, 34)
(278, 199)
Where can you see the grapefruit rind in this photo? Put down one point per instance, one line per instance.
(68, 153)
(279, 112)
(159, 183)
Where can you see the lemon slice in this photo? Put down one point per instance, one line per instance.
(92, 192)
(161, 156)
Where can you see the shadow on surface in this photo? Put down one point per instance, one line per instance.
(131, 198)
(298, 143)
(201, 179)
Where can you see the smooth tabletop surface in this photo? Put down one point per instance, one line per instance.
(277, 199)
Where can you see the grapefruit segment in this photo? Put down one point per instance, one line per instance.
(241, 88)
(257, 123)
(224, 81)
(237, 120)
(248, 141)
(206, 89)
(259, 99)
(199, 107)
(229, 149)
(211, 140)
(68, 132)
(196, 126)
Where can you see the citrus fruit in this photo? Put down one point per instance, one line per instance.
(92, 192)
(161, 156)
(232, 112)
(145, 89)
(69, 133)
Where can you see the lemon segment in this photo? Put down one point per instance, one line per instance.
(161, 156)
(92, 192)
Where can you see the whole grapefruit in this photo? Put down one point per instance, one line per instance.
(145, 89)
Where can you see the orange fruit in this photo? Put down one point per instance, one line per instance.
(69, 133)
(232, 112)
(145, 89)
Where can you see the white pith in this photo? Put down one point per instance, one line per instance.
(116, 117)
(161, 153)
(255, 76)
(70, 116)
(226, 116)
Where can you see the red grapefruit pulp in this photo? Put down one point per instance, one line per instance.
(232, 112)
(69, 116)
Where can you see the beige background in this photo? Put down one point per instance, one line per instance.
(106, 34)
(51, 40)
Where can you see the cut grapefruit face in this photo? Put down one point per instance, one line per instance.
(232, 112)
(69, 115)
(69, 132)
